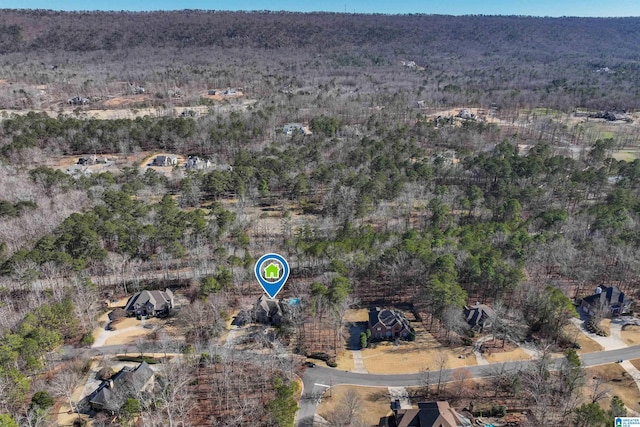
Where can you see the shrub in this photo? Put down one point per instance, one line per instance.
(209, 359)
(412, 336)
(498, 411)
(130, 408)
(319, 356)
(42, 399)
(7, 421)
(363, 340)
(594, 327)
(87, 339)
(332, 364)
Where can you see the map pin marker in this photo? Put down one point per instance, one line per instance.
(272, 271)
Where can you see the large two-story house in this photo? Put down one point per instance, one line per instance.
(388, 324)
(608, 300)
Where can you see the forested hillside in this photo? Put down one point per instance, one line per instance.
(468, 59)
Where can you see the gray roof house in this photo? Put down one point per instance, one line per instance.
(270, 311)
(608, 299)
(479, 316)
(429, 414)
(194, 162)
(91, 160)
(466, 114)
(165, 161)
(127, 383)
(388, 323)
(77, 100)
(150, 303)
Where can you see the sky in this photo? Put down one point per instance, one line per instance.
(446, 7)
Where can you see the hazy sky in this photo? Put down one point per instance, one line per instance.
(448, 7)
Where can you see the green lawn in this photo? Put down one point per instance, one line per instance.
(626, 155)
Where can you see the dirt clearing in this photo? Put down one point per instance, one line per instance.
(122, 101)
(122, 302)
(126, 337)
(123, 323)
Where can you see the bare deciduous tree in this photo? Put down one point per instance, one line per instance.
(65, 383)
(599, 389)
(460, 378)
(348, 411)
(173, 380)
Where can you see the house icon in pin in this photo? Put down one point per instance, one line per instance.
(618, 422)
(272, 272)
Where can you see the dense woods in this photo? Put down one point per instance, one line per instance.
(509, 61)
(388, 199)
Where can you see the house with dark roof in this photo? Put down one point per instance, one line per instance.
(271, 311)
(88, 161)
(78, 100)
(150, 303)
(165, 161)
(428, 414)
(479, 316)
(128, 383)
(606, 299)
(388, 324)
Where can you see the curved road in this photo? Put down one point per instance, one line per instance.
(317, 380)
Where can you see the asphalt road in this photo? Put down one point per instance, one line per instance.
(317, 380)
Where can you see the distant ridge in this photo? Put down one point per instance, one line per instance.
(35, 30)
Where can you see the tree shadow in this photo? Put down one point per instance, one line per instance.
(355, 329)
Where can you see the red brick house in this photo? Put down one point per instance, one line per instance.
(388, 324)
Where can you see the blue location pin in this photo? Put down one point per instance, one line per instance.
(272, 271)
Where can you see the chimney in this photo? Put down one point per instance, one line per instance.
(110, 384)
